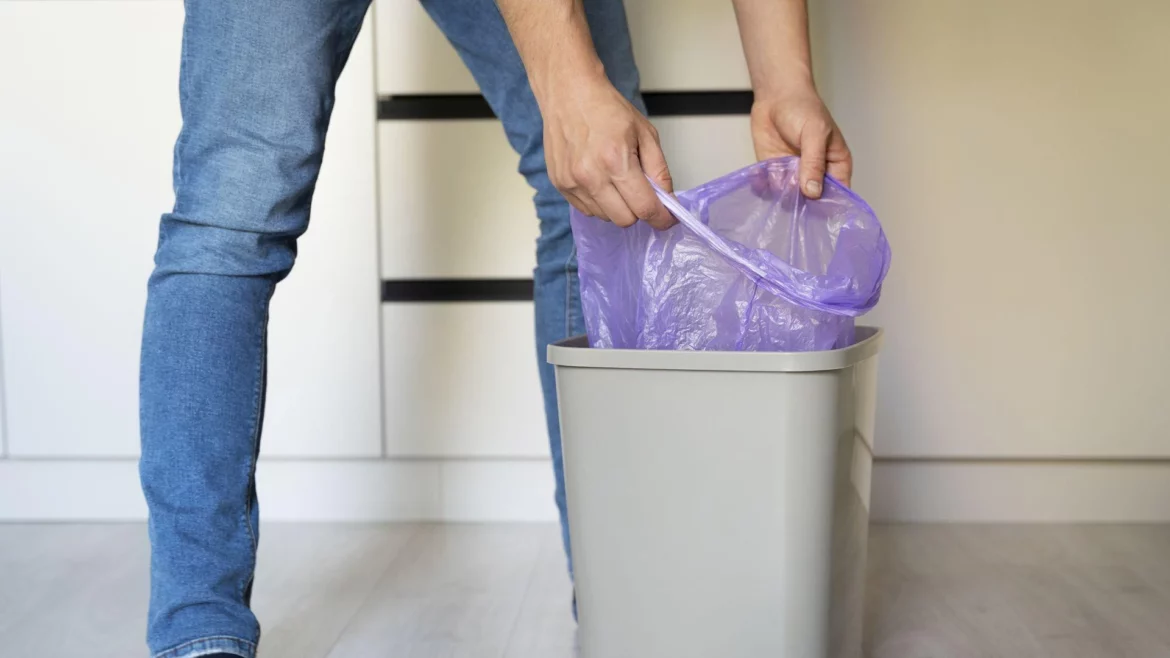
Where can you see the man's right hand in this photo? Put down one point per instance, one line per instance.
(600, 149)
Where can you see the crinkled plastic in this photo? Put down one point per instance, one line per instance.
(753, 265)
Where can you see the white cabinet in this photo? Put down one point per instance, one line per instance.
(86, 132)
(460, 378)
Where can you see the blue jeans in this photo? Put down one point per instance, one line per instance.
(256, 89)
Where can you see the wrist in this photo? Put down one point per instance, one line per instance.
(566, 75)
(791, 86)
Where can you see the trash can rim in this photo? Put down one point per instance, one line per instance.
(576, 353)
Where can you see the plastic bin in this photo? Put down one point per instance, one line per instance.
(719, 502)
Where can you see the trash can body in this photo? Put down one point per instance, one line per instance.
(718, 502)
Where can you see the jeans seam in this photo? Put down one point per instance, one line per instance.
(210, 638)
(258, 410)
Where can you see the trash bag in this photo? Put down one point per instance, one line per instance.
(753, 265)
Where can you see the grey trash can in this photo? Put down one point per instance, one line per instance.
(718, 502)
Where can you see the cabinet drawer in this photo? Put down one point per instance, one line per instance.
(461, 381)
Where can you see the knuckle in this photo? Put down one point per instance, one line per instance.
(817, 128)
(617, 153)
(613, 156)
(563, 180)
(591, 188)
(582, 175)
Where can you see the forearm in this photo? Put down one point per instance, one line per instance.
(554, 42)
(775, 44)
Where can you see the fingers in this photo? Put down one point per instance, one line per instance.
(591, 189)
(814, 144)
(586, 207)
(651, 159)
(643, 203)
(840, 160)
(639, 196)
(614, 206)
(610, 182)
(582, 183)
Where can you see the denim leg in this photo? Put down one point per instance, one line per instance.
(478, 32)
(256, 92)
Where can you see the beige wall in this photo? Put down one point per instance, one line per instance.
(1017, 153)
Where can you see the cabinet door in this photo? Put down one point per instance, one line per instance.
(84, 177)
(461, 381)
(453, 204)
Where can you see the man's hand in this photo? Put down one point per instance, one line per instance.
(598, 147)
(599, 150)
(799, 124)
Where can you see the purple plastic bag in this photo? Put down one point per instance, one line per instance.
(752, 266)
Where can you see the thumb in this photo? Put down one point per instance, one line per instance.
(813, 144)
(652, 160)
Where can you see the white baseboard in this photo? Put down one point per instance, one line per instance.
(297, 490)
(1022, 492)
(521, 491)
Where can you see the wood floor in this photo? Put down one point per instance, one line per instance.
(426, 591)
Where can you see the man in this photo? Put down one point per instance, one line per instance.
(256, 88)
